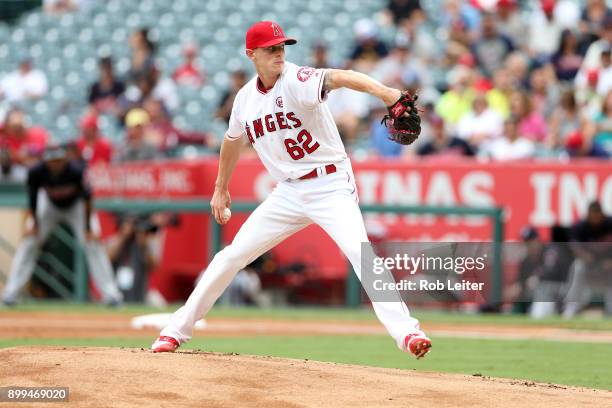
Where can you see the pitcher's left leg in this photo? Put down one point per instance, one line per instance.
(340, 216)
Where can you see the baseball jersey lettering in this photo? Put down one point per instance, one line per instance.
(249, 135)
(258, 128)
(305, 139)
(280, 118)
(295, 151)
(270, 125)
(271, 121)
(293, 137)
(296, 122)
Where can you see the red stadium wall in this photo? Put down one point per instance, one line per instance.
(535, 193)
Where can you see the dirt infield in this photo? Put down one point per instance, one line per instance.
(30, 325)
(99, 377)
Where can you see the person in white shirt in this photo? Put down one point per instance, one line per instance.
(26, 83)
(593, 64)
(481, 124)
(282, 112)
(511, 146)
(544, 32)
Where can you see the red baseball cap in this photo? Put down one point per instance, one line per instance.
(89, 122)
(266, 34)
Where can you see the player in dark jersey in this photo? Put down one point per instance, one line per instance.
(57, 192)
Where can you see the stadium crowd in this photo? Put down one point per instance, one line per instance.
(498, 80)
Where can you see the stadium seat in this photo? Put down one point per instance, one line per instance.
(67, 47)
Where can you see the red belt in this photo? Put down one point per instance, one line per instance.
(329, 169)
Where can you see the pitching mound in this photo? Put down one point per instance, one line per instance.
(100, 377)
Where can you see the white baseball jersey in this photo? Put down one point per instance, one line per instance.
(290, 126)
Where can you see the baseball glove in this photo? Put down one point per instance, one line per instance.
(403, 120)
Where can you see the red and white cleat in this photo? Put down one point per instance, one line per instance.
(165, 344)
(417, 344)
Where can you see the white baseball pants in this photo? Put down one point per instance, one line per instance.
(329, 201)
(48, 217)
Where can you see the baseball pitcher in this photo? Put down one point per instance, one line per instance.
(283, 114)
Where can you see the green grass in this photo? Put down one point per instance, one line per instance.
(580, 364)
(325, 313)
(571, 363)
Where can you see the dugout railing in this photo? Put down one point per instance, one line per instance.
(11, 197)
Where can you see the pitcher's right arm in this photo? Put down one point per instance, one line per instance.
(230, 152)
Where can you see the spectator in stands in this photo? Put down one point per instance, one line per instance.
(532, 124)
(491, 48)
(481, 123)
(498, 97)
(224, 110)
(457, 101)
(58, 7)
(11, 172)
(598, 132)
(423, 43)
(24, 143)
(459, 35)
(556, 261)
(164, 90)
(544, 33)
(143, 51)
(162, 133)
(189, 74)
(104, 93)
(544, 89)
(592, 21)
(319, 57)
(586, 93)
(92, 147)
(389, 69)
(592, 245)
(23, 84)
(565, 125)
(368, 48)
(152, 86)
(510, 23)
(513, 146)
(399, 10)
(567, 59)
(159, 131)
(517, 68)
(588, 74)
(136, 147)
(567, 14)
(441, 143)
(380, 145)
(604, 74)
(460, 15)
(136, 94)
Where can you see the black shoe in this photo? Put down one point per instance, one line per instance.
(9, 302)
